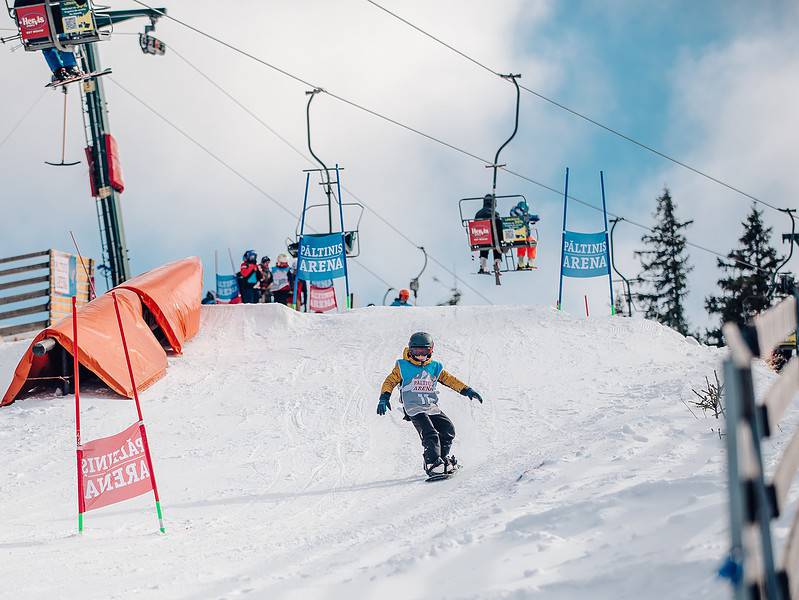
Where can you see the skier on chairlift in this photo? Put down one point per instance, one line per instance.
(525, 254)
(485, 213)
(418, 375)
(62, 64)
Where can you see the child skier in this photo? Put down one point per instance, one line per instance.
(418, 375)
(526, 254)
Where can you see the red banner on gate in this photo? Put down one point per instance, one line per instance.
(480, 233)
(322, 300)
(33, 23)
(115, 468)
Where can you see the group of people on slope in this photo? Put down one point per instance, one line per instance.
(525, 254)
(259, 282)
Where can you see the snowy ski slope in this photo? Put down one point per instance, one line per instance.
(585, 475)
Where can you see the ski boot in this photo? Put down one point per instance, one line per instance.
(450, 464)
(59, 74)
(437, 468)
(74, 72)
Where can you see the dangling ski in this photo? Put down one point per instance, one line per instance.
(84, 76)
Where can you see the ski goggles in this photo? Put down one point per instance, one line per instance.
(421, 353)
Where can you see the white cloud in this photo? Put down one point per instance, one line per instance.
(734, 111)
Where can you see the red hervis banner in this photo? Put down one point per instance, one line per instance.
(322, 300)
(33, 22)
(114, 469)
(480, 233)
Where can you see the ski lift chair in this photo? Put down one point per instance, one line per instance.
(352, 243)
(59, 24)
(514, 234)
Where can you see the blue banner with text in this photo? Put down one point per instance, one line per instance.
(321, 257)
(585, 254)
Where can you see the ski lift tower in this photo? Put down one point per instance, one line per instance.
(101, 154)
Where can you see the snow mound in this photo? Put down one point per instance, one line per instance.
(585, 475)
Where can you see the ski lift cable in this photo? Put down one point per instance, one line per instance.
(22, 118)
(300, 153)
(389, 119)
(580, 115)
(221, 161)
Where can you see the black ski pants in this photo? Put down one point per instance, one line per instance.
(437, 433)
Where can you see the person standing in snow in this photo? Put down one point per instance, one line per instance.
(282, 280)
(418, 375)
(248, 278)
(266, 281)
(402, 298)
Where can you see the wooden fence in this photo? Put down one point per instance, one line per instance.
(36, 290)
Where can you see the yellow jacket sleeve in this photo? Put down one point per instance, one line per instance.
(452, 382)
(393, 380)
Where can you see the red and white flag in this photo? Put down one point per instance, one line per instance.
(114, 469)
(322, 300)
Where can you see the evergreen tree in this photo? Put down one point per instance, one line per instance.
(665, 267)
(749, 270)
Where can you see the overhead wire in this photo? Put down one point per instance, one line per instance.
(300, 153)
(224, 163)
(576, 113)
(398, 123)
(21, 120)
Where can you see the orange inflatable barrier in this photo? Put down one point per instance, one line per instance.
(171, 293)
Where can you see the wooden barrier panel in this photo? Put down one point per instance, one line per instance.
(50, 275)
(755, 498)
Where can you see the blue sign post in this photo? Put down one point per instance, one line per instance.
(227, 288)
(585, 254)
(321, 257)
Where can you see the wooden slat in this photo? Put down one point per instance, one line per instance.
(781, 393)
(25, 269)
(790, 555)
(21, 282)
(25, 296)
(753, 562)
(23, 256)
(24, 328)
(786, 470)
(21, 312)
(775, 324)
(739, 349)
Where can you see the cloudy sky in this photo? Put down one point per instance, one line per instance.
(713, 84)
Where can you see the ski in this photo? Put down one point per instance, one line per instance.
(55, 84)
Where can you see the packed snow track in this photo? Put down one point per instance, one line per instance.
(585, 475)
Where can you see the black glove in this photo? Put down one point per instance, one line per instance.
(384, 403)
(471, 394)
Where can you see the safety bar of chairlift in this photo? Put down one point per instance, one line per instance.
(357, 223)
(53, 29)
(462, 200)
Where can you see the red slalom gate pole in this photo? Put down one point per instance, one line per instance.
(76, 385)
(585, 297)
(141, 418)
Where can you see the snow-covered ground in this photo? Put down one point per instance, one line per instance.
(585, 474)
